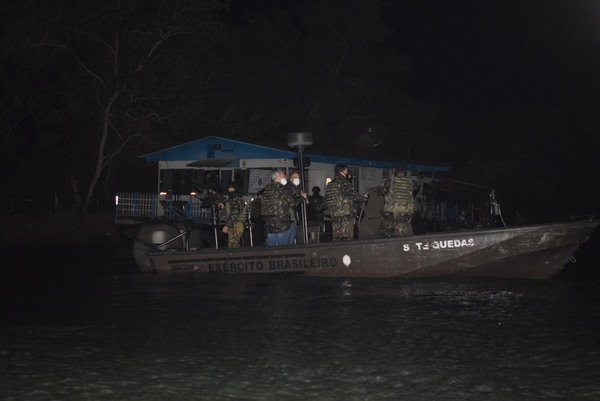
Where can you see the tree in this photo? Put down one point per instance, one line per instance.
(117, 65)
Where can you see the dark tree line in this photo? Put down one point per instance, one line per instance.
(86, 80)
(88, 87)
(92, 85)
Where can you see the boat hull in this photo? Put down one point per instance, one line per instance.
(533, 252)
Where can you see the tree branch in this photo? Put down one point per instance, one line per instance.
(76, 57)
(164, 36)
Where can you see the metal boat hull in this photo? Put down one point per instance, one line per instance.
(533, 252)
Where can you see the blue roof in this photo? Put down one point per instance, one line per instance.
(222, 152)
(213, 147)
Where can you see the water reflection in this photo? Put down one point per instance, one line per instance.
(295, 338)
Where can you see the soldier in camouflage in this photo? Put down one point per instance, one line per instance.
(398, 206)
(236, 211)
(277, 201)
(343, 204)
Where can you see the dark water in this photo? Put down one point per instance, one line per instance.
(111, 335)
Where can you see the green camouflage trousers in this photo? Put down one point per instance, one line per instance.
(395, 224)
(234, 235)
(342, 230)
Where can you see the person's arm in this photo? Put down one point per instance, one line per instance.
(266, 200)
(291, 198)
(384, 188)
(350, 192)
(231, 214)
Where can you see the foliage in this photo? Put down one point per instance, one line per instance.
(97, 76)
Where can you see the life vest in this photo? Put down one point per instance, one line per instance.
(338, 205)
(399, 199)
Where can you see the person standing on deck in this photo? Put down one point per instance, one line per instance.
(398, 204)
(277, 201)
(343, 204)
(316, 205)
(236, 212)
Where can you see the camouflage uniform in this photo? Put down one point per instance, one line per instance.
(295, 210)
(297, 194)
(236, 212)
(277, 200)
(398, 206)
(343, 204)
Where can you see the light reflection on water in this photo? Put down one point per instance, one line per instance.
(296, 338)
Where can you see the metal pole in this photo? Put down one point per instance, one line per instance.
(303, 188)
(362, 209)
(214, 218)
(299, 141)
(250, 225)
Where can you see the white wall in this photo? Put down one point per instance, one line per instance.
(318, 173)
(369, 177)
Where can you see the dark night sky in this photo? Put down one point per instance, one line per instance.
(499, 53)
(515, 87)
(477, 58)
(493, 52)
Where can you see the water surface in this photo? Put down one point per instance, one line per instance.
(141, 337)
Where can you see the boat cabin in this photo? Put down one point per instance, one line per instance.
(186, 173)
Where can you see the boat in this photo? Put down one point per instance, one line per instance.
(524, 252)
(175, 243)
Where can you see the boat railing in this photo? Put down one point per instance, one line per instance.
(453, 214)
(196, 212)
(137, 207)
